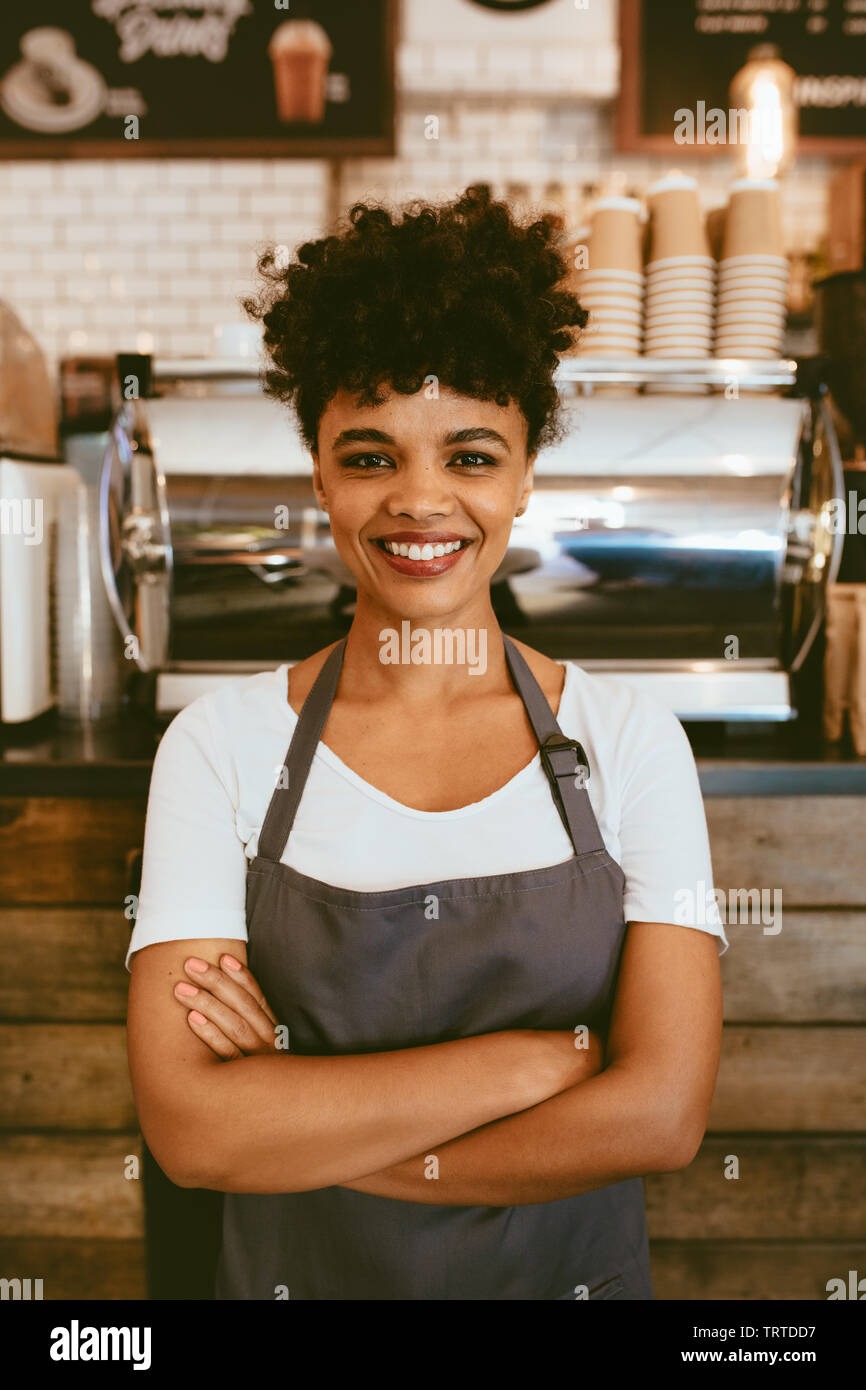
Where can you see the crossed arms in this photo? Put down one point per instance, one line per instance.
(503, 1119)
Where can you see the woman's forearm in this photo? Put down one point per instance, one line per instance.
(598, 1132)
(287, 1123)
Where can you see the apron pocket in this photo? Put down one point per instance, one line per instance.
(608, 1288)
(611, 1288)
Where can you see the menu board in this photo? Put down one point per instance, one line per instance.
(106, 78)
(681, 53)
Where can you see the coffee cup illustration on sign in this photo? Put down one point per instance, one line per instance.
(51, 90)
(300, 53)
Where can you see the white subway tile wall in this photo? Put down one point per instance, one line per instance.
(94, 254)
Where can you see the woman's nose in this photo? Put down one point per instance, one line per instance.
(420, 491)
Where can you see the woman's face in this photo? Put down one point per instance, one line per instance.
(422, 471)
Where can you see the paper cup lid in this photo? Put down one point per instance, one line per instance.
(300, 33)
(671, 181)
(679, 261)
(619, 204)
(745, 185)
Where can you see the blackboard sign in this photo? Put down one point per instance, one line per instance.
(106, 78)
(678, 53)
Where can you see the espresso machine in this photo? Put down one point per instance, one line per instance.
(678, 536)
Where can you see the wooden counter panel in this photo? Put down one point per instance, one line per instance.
(67, 849)
(791, 1187)
(68, 1076)
(70, 1186)
(78, 1269)
(751, 1271)
(69, 963)
(812, 971)
(75, 1077)
(811, 848)
(792, 1079)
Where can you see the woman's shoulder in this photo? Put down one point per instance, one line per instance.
(227, 713)
(303, 673)
(547, 672)
(625, 722)
(241, 708)
(597, 694)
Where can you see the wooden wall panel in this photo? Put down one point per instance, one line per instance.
(69, 963)
(76, 1077)
(70, 1187)
(78, 1269)
(791, 1079)
(65, 1076)
(751, 1271)
(789, 1100)
(67, 849)
(790, 1187)
(810, 847)
(814, 970)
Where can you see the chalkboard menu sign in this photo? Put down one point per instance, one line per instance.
(681, 55)
(105, 78)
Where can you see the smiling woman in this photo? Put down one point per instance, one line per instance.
(424, 1005)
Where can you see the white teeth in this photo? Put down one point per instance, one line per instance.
(425, 552)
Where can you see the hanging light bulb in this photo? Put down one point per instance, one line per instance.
(762, 95)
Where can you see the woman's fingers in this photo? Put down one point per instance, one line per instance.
(233, 1025)
(241, 974)
(210, 1034)
(224, 987)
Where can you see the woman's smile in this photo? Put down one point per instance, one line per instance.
(424, 554)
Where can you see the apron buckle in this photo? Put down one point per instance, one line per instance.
(558, 743)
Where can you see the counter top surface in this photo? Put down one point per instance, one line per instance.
(52, 757)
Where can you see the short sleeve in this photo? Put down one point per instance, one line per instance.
(193, 870)
(665, 848)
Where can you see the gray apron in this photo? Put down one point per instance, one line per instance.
(350, 972)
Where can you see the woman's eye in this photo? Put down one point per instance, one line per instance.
(475, 460)
(365, 461)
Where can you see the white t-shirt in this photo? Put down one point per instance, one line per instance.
(217, 764)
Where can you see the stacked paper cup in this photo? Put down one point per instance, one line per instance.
(680, 276)
(753, 273)
(611, 287)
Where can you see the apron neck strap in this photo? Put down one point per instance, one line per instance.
(563, 759)
(312, 719)
(564, 762)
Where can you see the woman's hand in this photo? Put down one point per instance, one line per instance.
(227, 1008)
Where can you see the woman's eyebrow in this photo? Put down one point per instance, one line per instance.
(473, 436)
(468, 436)
(362, 436)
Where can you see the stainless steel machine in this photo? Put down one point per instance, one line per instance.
(679, 539)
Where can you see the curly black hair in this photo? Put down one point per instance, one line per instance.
(459, 291)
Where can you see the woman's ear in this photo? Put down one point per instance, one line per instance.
(317, 484)
(528, 480)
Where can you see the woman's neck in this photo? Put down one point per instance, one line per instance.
(437, 659)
